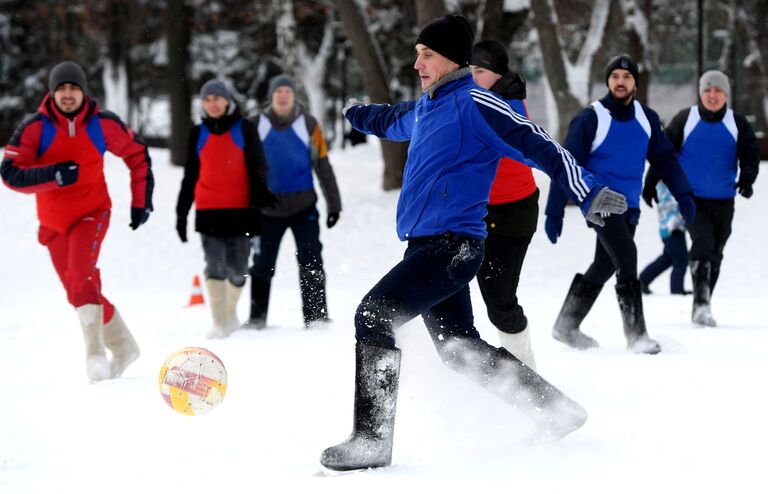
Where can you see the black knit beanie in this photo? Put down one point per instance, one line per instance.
(67, 72)
(622, 61)
(451, 36)
(491, 55)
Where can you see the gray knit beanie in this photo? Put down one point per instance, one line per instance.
(216, 87)
(281, 80)
(67, 72)
(714, 78)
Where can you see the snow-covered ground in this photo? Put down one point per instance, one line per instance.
(691, 419)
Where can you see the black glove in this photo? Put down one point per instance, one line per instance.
(139, 216)
(744, 187)
(66, 173)
(181, 229)
(332, 219)
(649, 194)
(266, 199)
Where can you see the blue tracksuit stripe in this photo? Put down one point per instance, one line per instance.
(575, 180)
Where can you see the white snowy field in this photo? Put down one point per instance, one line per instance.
(691, 419)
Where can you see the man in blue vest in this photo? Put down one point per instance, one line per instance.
(294, 148)
(714, 146)
(612, 138)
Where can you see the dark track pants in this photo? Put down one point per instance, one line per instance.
(431, 281)
(498, 278)
(615, 251)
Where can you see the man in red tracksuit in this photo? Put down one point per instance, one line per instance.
(58, 155)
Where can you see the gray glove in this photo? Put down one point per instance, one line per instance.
(605, 203)
(350, 103)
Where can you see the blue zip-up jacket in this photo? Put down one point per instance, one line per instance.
(458, 133)
(613, 140)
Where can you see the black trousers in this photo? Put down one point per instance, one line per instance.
(615, 251)
(432, 280)
(710, 230)
(498, 278)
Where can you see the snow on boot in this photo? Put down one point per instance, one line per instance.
(92, 322)
(702, 316)
(313, 299)
(519, 345)
(259, 304)
(580, 299)
(555, 414)
(377, 374)
(701, 274)
(630, 300)
(232, 293)
(120, 342)
(217, 299)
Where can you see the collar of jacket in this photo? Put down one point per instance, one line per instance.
(223, 124)
(712, 116)
(450, 77)
(283, 122)
(618, 110)
(510, 86)
(89, 108)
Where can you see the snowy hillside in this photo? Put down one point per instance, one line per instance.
(691, 419)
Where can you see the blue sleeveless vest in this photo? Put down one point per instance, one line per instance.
(619, 150)
(709, 155)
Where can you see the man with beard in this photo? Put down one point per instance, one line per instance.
(57, 154)
(612, 138)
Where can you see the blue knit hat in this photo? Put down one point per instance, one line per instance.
(281, 80)
(216, 87)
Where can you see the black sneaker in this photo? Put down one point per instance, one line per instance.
(645, 289)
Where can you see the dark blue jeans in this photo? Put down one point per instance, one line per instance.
(432, 280)
(306, 231)
(675, 255)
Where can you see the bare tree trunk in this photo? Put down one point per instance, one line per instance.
(611, 29)
(635, 15)
(428, 10)
(117, 73)
(492, 20)
(544, 17)
(178, 81)
(375, 81)
(754, 68)
(286, 38)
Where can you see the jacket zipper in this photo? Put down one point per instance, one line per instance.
(71, 127)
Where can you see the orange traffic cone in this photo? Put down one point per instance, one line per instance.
(197, 293)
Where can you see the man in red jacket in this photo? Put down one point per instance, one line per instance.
(513, 210)
(58, 155)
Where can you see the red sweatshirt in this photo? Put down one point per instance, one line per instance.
(48, 137)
